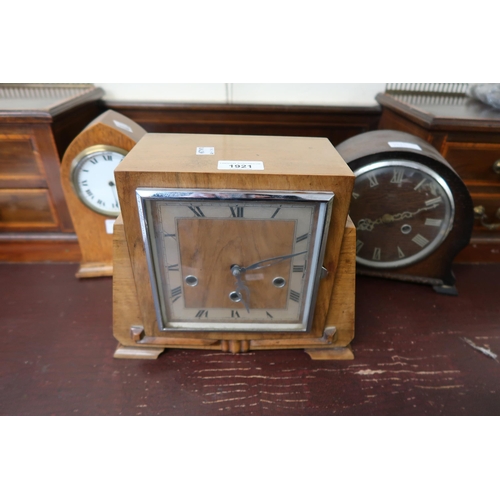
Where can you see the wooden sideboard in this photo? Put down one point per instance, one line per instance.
(336, 123)
(37, 123)
(467, 133)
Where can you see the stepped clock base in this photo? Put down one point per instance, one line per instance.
(131, 352)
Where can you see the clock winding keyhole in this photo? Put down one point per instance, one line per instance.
(191, 280)
(235, 296)
(279, 282)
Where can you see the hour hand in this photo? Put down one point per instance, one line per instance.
(241, 289)
(269, 262)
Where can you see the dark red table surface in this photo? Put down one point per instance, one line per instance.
(56, 356)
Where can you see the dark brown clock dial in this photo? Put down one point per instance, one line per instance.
(402, 211)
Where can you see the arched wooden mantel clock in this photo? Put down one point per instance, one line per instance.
(233, 243)
(413, 213)
(87, 176)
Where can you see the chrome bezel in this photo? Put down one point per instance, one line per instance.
(324, 201)
(445, 229)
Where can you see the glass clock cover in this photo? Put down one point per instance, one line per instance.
(233, 261)
(402, 211)
(93, 178)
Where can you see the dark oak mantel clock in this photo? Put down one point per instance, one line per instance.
(413, 214)
(87, 176)
(233, 243)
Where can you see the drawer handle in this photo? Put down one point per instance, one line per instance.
(496, 167)
(480, 213)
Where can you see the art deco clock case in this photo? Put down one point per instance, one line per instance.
(87, 175)
(233, 243)
(412, 212)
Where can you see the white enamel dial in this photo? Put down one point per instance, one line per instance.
(93, 178)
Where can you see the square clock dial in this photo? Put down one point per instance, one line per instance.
(222, 260)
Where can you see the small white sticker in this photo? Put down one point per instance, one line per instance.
(204, 150)
(240, 165)
(122, 126)
(109, 225)
(407, 145)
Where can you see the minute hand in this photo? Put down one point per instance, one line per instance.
(269, 262)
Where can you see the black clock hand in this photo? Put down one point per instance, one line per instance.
(113, 189)
(268, 262)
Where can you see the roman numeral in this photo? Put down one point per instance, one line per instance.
(377, 252)
(397, 176)
(89, 193)
(93, 161)
(419, 185)
(434, 201)
(176, 293)
(100, 202)
(202, 313)
(173, 267)
(433, 222)
(401, 254)
(237, 211)
(359, 245)
(235, 314)
(355, 195)
(197, 211)
(298, 269)
(85, 183)
(295, 296)
(302, 238)
(107, 157)
(373, 179)
(420, 240)
(274, 215)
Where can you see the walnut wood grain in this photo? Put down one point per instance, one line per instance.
(96, 244)
(39, 247)
(214, 267)
(333, 343)
(37, 123)
(27, 209)
(169, 160)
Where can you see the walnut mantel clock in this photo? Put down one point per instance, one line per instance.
(87, 176)
(233, 243)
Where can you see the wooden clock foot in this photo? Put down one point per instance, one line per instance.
(132, 352)
(95, 270)
(334, 353)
